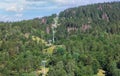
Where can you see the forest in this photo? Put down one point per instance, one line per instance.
(86, 43)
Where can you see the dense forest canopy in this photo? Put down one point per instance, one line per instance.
(87, 43)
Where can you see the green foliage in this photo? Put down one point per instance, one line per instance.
(87, 39)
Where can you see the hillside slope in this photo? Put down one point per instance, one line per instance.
(87, 43)
(90, 19)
